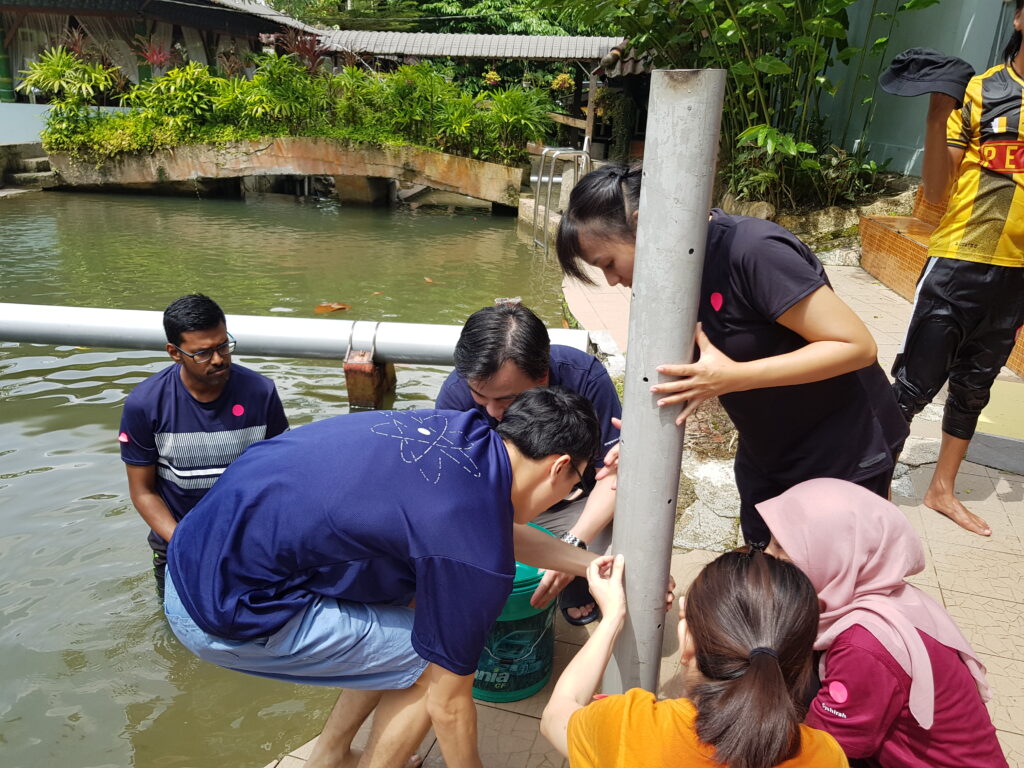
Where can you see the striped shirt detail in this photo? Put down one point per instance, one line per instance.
(194, 460)
(984, 221)
(203, 449)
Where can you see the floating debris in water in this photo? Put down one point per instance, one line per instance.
(331, 306)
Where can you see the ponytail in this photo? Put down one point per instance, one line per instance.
(1013, 46)
(602, 201)
(753, 620)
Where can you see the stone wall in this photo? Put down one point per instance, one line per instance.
(298, 157)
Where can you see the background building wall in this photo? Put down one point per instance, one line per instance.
(974, 30)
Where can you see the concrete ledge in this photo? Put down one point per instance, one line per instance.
(298, 157)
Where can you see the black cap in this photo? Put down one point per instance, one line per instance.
(923, 70)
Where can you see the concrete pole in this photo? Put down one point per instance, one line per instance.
(679, 169)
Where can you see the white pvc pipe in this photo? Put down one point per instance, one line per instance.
(680, 152)
(316, 338)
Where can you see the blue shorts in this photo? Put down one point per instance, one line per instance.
(333, 642)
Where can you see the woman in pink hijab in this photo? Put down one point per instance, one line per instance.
(900, 685)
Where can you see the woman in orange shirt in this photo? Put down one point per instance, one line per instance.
(746, 631)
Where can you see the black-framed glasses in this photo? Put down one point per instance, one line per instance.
(206, 355)
(580, 486)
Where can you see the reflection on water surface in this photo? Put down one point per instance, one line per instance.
(91, 674)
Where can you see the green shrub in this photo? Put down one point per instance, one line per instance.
(415, 105)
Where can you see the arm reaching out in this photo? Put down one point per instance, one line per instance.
(839, 343)
(582, 676)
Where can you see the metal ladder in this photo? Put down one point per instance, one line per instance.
(583, 165)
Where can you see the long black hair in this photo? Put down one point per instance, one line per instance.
(603, 202)
(753, 619)
(1013, 46)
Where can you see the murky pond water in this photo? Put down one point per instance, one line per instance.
(90, 675)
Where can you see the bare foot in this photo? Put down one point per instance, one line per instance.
(948, 504)
(582, 611)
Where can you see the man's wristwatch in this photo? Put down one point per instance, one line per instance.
(575, 541)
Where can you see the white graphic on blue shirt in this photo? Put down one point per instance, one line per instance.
(425, 442)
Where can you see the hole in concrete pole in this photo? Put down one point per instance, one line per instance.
(645, 378)
(691, 250)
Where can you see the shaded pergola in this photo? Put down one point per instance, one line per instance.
(591, 53)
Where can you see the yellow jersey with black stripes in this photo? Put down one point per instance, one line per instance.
(984, 221)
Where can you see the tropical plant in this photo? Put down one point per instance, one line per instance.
(778, 55)
(306, 47)
(416, 105)
(153, 53)
(73, 85)
(518, 116)
(184, 98)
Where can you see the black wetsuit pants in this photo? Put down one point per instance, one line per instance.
(966, 318)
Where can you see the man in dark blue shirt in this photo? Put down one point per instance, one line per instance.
(181, 427)
(373, 552)
(504, 350)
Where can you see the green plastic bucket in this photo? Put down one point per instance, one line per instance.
(517, 659)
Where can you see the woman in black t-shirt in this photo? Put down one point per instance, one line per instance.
(793, 366)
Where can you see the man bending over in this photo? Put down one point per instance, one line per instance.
(373, 552)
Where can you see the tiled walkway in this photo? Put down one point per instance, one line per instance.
(979, 580)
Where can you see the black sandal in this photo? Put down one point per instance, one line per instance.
(577, 595)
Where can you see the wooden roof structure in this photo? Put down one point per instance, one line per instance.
(235, 17)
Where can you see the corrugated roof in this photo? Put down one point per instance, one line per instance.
(535, 47)
(265, 12)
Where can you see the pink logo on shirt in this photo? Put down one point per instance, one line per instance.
(716, 301)
(123, 438)
(838, 692)
(238, 409)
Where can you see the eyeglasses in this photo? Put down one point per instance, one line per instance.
(580, 486)
(206, 355)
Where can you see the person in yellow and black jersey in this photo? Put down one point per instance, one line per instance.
(969, 303)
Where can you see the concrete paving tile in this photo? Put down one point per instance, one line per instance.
(686, 565)
(994, 627)
(970, 570)
(1013, 748)
(306, 749)
(1010, 490)
(507, 740)
(291, 762)
(935, 527)
(1006, 679)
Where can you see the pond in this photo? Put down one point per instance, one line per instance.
(91, 675)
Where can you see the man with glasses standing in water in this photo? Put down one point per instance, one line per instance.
(182, 427)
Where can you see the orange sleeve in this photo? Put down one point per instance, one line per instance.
(818, 750)
(593, 733)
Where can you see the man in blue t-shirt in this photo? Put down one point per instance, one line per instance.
(373, 552)
(503, 351)
(181, 427)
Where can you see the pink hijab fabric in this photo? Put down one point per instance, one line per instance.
(857, 549)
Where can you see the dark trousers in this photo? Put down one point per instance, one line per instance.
(755, 488)
(966, 318)
(159, 547)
